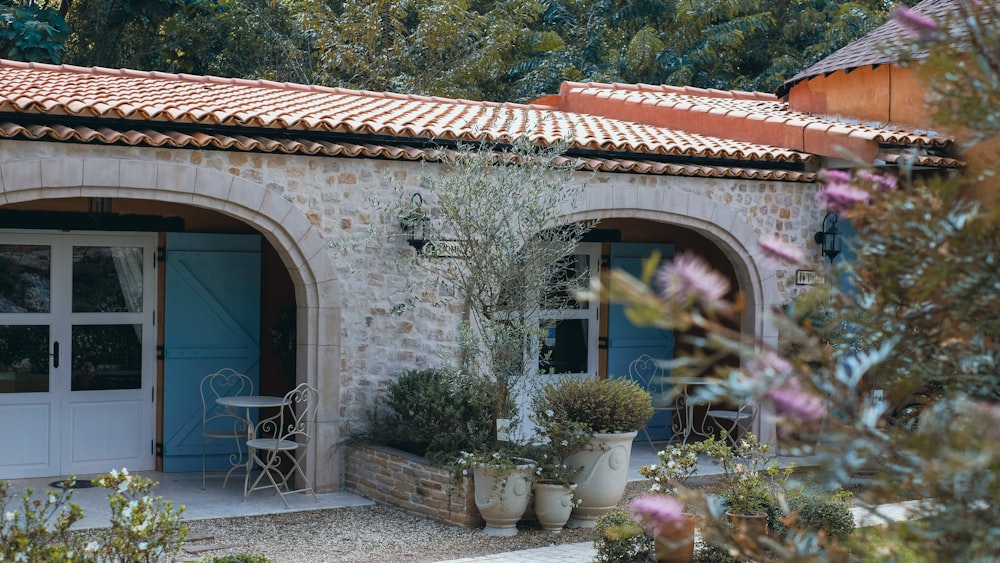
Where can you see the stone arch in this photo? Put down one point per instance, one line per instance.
(732, 234)
(299, 244)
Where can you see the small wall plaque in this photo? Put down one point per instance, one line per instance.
(809, 277)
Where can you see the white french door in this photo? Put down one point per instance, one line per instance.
(77, 352)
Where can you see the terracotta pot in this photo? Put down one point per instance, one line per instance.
(553, 504)
(502, 501)
(753, 525)
(602, 481)
(674, 542)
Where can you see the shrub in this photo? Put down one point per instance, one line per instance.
(434, 413)
(619, 539)
(815, 512)
(604, 405)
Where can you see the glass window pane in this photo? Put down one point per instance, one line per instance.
(574, 273)
(564, 349)
(107, 357)
(24, 278)
(107, 279)
(24, 358)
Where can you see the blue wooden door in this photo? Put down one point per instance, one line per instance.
(212, 321)
(626, 341)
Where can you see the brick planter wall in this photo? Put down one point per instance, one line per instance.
(410, 482)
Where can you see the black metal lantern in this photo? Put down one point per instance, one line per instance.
(829, 237)
(416, 223)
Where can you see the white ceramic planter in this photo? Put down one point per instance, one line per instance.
(553, 505)
(602, 481)
(502, 502)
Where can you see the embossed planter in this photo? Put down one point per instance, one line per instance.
(502, 501)
(553, 505)
(602, 481)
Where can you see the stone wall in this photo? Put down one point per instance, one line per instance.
(410, 482)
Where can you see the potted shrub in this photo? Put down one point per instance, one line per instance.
(750, 477)
(502, 479)
(554, 487)
(674, 536)
(613, 410)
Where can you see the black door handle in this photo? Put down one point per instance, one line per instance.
(55, 354)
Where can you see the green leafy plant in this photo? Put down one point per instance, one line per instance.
(143, 528)
(620, 539)
(750, 475)
(815, 511)
(677, 463)
(559, 439)
(602, 405)
(435, 413)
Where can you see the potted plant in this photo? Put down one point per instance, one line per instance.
(554, 487)
(674, 536)
(502, 482)
(750, 477)
(612, 410)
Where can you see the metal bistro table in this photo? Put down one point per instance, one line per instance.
(250, 402)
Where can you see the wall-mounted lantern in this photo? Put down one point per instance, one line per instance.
(829, 237)
(416, 223)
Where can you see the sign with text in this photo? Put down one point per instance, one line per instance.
(809, 277)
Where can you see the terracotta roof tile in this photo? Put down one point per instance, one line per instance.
(874, 48)
(763, 120)
(675, 122)
(260, 143)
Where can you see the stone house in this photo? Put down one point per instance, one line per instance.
(155, 227)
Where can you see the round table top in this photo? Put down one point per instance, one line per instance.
(251, 401)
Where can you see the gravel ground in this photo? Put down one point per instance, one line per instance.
(370, 534)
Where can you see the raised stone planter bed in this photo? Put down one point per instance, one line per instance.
(410, 482)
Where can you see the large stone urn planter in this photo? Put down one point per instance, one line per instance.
(602, 481)
(502, 497)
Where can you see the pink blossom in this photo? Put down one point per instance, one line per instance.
(656, 510)
(881, 182)
(841, 197)
(791, 401)
(837, 176)
(689, 276)
(769, 361)
(779, 250)
(919, 24)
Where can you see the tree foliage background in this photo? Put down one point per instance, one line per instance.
(505, 50)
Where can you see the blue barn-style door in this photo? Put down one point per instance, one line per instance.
(626, 341)
(212, 321)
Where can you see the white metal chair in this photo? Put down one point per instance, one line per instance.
(733, 421)
(646, 371)
(283, 436)
(220, 423)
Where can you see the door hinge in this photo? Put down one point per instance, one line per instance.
(602, 343)
(161, 255)
(160, 351)
(605, 261)
(153, 393)
(156, 449)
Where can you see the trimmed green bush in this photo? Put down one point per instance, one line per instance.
(619, 539)
(434, 413)
(604, 405)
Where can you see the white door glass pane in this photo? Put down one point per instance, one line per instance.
(24, 278)
(565, 348)
(107, 357)
(24, 358)
(107, 279)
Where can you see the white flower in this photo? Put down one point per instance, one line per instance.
(655, 487)
(52, 498)
(550, 413)
(10, 516)
(91, 547)
(123, 486)
(143, 546)
(114, 474)
(565, 442)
